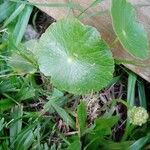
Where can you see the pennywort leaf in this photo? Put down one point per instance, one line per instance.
(131, 34)
(75, 57)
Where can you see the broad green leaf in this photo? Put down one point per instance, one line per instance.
(75, 57)
(82, 116)
(131, 34)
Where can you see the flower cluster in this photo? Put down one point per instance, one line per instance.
(137, 115)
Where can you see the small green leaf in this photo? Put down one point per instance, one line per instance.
(53, 105)
(103, 125)
(64, 115)
(75, 57)
(82, 116)
(131, 34)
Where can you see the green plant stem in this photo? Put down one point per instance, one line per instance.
(59, 5)
(91, 5)
(114, 101)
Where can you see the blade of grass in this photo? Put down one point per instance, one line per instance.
(16, 126)
(91, 5)
(21, 138)
(25, 140)
(132, 78)
(14, 15)
(114, 80)
(6, 9)
(98, 13)
(81, 117)
(2, 124)
(141, 92)
(22, 24)
(131, 89)
(140, 143)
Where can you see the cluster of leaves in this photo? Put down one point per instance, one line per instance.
(79, 61)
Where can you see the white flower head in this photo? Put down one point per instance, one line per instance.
(137, 115)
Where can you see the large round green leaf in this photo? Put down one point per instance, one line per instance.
(131, 34)
(75, 57)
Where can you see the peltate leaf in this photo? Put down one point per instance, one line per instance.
(75, 57)
(131, 34)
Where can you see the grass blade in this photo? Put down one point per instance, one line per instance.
(81, 117)
(139, 143)
(6, 9)
(142, 96)
(16, 126)
(22, 24)
(2, 124)
(131, 89)
(14, 15)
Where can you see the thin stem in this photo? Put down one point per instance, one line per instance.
(92, 4)
(60, 5)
